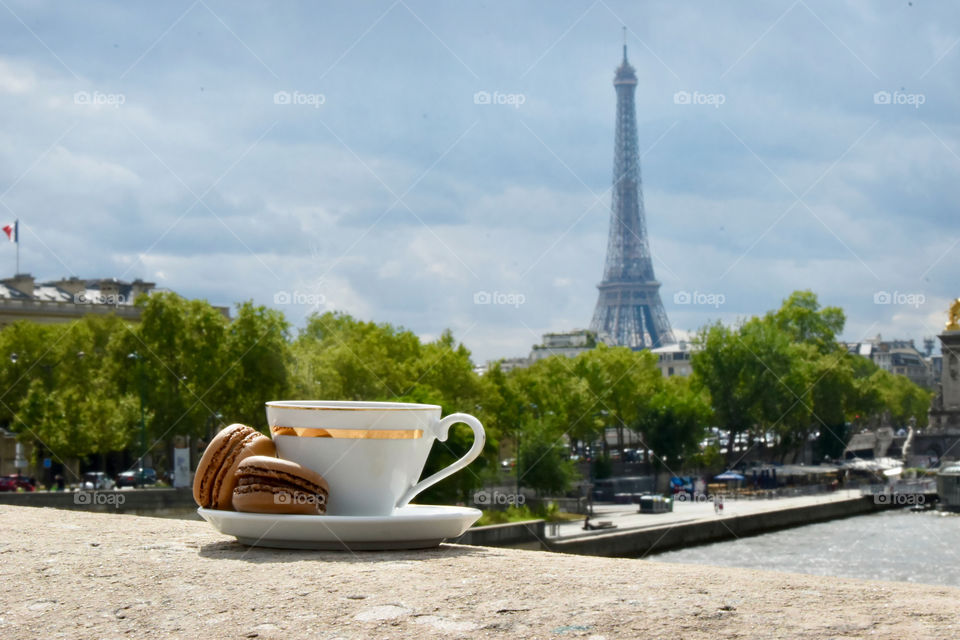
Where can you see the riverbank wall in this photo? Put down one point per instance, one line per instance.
(139, 502)
(642, 542)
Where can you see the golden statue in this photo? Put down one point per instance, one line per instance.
(954, 323)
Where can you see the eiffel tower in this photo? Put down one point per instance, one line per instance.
(629, 311)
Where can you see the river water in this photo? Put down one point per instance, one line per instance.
(892, 545)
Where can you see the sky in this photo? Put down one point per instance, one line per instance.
(442, 165)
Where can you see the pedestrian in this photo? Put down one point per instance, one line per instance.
(716, 505)
(721, 505)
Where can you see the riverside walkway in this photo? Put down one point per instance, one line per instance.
(76, 574)
(625, 516)
(692, 523)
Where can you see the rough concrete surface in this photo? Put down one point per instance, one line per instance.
(69, 574)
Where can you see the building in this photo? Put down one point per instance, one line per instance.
(629, 312)
(569, 344)
(945, 411)
(506, 365)
(22, 298)
(896, 356)
(674, 359)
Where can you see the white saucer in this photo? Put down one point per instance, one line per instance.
(412, 527)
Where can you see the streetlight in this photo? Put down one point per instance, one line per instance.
(143, 429)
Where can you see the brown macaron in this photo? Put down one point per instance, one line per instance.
(215, 479)
(274, 485)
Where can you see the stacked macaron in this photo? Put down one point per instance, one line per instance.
(239, 470)
(274, 485)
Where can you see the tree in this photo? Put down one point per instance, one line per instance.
(730, 372)
(179, 349)
(547, 467)
(257, 362)
(63, 394)
(618, 377)
(341, 358)
(673, 422)
(802, 318)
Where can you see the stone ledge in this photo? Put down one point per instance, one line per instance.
(83, 575)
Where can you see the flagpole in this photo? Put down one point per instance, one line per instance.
(16, 231)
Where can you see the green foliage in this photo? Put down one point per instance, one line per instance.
(61, 390)
(75, 389)
(544, 464)
(548, 511)
(786, 374)
(708, 459)
(673, 423)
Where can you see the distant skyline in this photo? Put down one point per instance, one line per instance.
(439, 165)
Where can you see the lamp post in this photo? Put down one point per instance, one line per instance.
(143, 429)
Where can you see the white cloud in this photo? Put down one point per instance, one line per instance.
(299, 198)
(16, 78)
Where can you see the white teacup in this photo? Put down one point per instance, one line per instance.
(370, 453)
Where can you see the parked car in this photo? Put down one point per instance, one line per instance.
(682, 485)
(136, 477)
(97, 480)
(16, 483)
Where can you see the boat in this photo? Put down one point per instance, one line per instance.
(948, 487)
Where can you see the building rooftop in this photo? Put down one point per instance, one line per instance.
(681, 346)
(76, 290)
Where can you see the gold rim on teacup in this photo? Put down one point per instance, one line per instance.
(349, 434)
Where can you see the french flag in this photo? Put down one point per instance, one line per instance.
(12, 231)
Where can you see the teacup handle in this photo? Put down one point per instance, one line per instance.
(443, 428)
